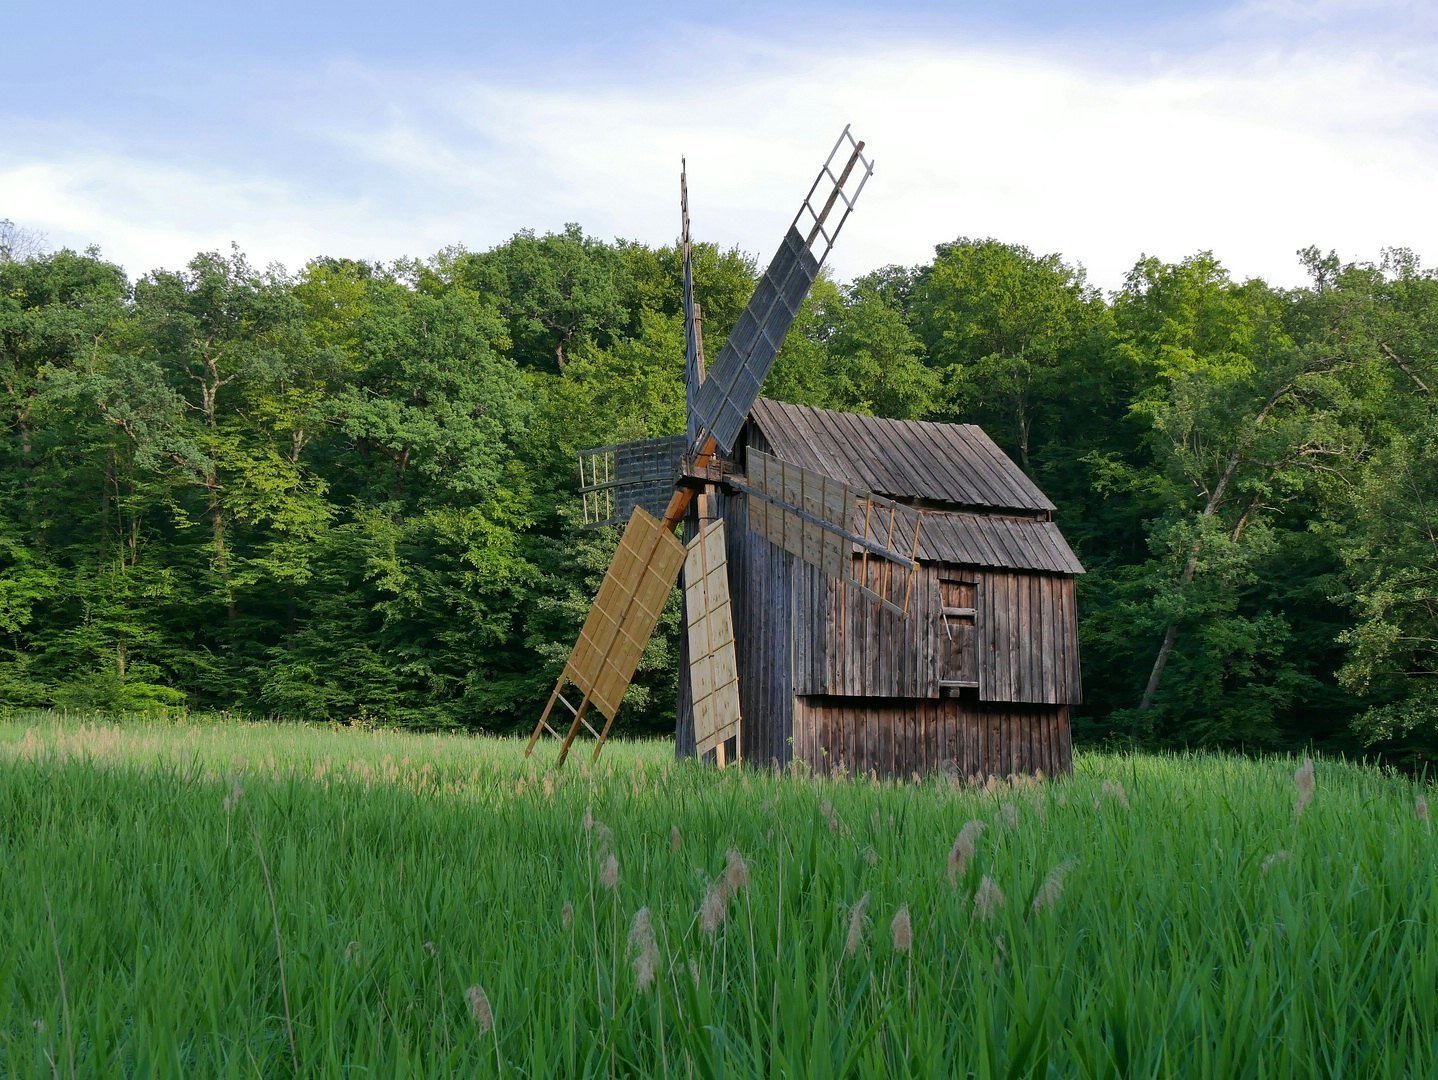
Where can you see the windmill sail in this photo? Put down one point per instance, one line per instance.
(713, 668)
(816, 517)
(613, 480)
(728, 392)
(693, 346)
(620, 623)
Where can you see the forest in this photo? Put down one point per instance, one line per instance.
(347, 493)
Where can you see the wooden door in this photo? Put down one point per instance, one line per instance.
(958, 637)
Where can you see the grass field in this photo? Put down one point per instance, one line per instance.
(254, 900)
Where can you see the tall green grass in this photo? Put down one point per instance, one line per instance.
(241, 900)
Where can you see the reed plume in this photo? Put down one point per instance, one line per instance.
(1303, 781)
(644, 949)
(856, 925)
(988, 899)
(736, 871)
(902, 930)
(479, 1010)
(1053, 886)
(963, 850)
(715, 907)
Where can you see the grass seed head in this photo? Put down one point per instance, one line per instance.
(479, 1010)
(988, 899)
(609, 873)
(1303, 781)
(902, 930)
(674, 838)
(715, 907)
(963, 850)
(856, 925)
(644, 949)
(736, 871)
(566, 914)
(1053, 886)
(1115, 790)
(232, 800)
(1420, 807)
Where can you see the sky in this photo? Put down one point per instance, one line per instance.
(1100, 131)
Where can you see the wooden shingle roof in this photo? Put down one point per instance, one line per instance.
(902, 459)
(991, 540)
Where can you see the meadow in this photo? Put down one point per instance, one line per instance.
(226, 899)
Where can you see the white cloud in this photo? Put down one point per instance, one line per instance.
(1251, 151)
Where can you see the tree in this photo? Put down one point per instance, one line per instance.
(555, 292)
(999, 321)
(18, 244)
(1390, 514)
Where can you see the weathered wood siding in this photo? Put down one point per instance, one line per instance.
(958, 735)
(1027, 638)
(849, 645)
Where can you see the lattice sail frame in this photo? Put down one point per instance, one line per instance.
(713, 667)
(829, 506)
(619, 625)
(613, 480)
(816, 517)
(723, 401)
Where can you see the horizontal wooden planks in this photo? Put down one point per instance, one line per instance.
(962, 737)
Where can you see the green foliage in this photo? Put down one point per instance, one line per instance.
(348, 494)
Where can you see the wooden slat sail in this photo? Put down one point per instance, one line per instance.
(625, 611)
(713, 670)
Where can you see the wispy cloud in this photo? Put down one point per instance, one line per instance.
(1251, 147)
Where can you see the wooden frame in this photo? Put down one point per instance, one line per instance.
(713, 670)
(619, 625)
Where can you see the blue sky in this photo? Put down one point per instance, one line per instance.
(1100, 131)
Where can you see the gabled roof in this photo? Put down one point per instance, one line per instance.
(902, 459)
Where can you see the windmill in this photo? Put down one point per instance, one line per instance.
(653, 483)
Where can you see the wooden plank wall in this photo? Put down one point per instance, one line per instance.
(964, 737)
(850, 645)
(762, 580)
(1028, 638)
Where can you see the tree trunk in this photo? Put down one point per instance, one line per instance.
(1215, 500)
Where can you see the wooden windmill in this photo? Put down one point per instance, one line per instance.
(653, 484)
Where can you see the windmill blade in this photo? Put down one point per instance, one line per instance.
(713, 669)
(613, 480)
(723, 401)
(802, 511)
(815, 517)
(618, 627)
